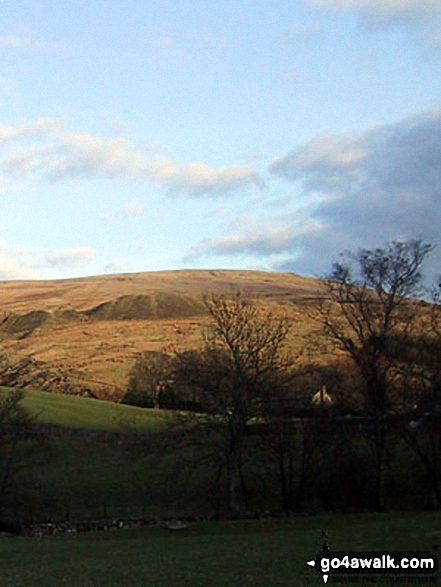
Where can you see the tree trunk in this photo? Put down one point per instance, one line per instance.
(283, 481)
(243, 488)
(290, 482)
(382, 458)
(233, 482)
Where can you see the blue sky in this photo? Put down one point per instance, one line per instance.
(140, 136)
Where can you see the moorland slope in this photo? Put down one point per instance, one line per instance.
(81, 336)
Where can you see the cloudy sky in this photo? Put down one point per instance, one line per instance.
(170, 134)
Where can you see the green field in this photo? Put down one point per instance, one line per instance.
(78, 412)
(84, 473)
(82, 477)
(87, 469)
(261, 553)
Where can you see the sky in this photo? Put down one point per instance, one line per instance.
(215, 134)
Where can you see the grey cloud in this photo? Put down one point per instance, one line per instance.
(400, 158)
(356, 191)
(420, 16)
(383, 185)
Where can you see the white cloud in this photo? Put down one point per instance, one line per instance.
(113, 124)
(7, 88)
(11, 268)
(218, 212)
(6, 184)
(25, 162)
(57, 154)
(69, 258)
(24, 262)
(297, 76)
(311, 31)
(41, 128)
(261, 241)
(85, 155)
(15, 42)
(198, 179)
(16, 263)
(394, 9)
(212, 41)
(167, 49)
(115, 267)
(133, 210)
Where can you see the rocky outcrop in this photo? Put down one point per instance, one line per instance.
(25, 324)
(162, 305)
(27, 372)
(147, 307)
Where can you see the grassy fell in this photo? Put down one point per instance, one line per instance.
(85, 334)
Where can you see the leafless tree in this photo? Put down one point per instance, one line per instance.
(244, 361)
(369, 298)
(421, 354)
(20, 439)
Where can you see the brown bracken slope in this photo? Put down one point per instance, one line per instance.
(82, 335)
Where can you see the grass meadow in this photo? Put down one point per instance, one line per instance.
(258, 553)
(86, 413)
(95, 465)
(86, 470)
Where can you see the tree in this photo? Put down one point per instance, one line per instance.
(19, 439)
(369, 298)
(149, 379)
(242, 363)
(421, 353)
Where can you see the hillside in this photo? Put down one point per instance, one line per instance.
(81, 336)
(85, 293)
(76, 412)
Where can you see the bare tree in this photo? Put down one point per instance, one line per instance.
(370, 298)
(421, 354)
(20, 440)
(243, 362)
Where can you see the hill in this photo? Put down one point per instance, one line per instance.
(92, 414)
(84, 293)
(81, 336)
